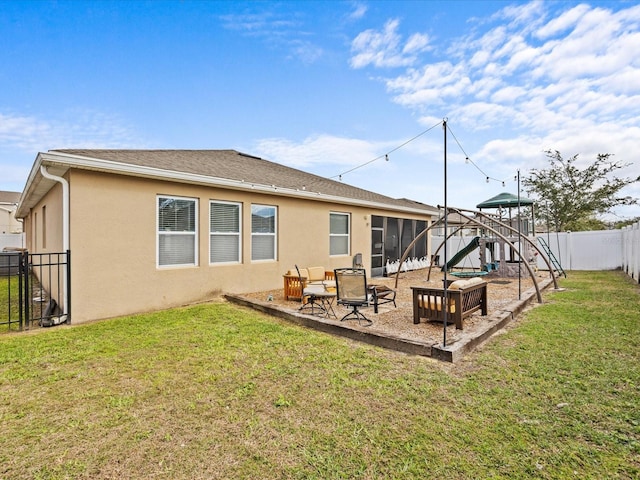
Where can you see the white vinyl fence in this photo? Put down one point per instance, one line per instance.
(11, 240)
(594, 250)
(597, 250)
(631, 251)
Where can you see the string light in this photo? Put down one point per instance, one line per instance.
(468, 160)
(386, 155)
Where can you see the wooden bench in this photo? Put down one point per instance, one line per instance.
(310, 276)
(464, 298)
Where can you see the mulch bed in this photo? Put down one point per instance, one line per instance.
(398, 322)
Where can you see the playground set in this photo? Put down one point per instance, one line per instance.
(506, 246)
(502, 247)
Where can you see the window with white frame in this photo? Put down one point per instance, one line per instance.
(263, 232)
(224, 232)
(339, 233)
(177, 231)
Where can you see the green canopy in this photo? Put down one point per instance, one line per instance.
(504, 200)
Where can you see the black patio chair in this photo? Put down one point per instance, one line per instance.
(351, 291)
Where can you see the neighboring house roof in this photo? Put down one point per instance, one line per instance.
(9, 198)
(222, 168)
(416, 204)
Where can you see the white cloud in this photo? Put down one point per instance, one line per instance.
(536, 79)
(564, 22)
(319, 150)
(265, 23)
(307, 52)
(508, 94)
(282, 30)
(88, 129)
(359, 11)
(22, 136)
(22, 132)
(418, 42)
(385, 48)
(523, 14)
(506, 78)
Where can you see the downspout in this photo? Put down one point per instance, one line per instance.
(65, 229)
(65, 204)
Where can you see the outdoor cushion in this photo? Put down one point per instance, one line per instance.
(313, 275)
(435, 303)
(303, 273)
(316, 274)
(474, 281)
(461, 284)
(458, 284)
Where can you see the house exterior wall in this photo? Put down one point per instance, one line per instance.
(43, 231)
(113, 238)
(8, 222)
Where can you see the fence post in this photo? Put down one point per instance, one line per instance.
(626, 238)
(635, 251)
(20, 292)
(68, 287)
(25, 302)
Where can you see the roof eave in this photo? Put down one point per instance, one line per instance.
(64, 161)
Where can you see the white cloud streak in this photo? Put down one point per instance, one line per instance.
(359, 11)
(278, 29)
(386, 48)
(337, 152)
(78, 129)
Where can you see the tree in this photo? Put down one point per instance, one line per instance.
(569, 198)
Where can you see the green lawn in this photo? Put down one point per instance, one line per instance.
(217, 391)
(9, 303)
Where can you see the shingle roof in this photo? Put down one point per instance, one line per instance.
(9, 197)
(233, 165)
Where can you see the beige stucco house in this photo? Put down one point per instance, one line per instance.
(8, 204)
(152, 229)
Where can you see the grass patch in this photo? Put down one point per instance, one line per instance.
(9, 302)
(217, 391)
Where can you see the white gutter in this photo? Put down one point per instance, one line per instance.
(65, 205)
(65, 231)
(89, 163)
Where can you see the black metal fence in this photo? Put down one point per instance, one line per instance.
(35, 289)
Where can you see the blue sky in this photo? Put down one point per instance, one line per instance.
(329, 86)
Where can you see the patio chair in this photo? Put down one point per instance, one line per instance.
(314, 297)
(351, 291)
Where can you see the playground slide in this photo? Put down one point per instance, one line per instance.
(457, 258)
